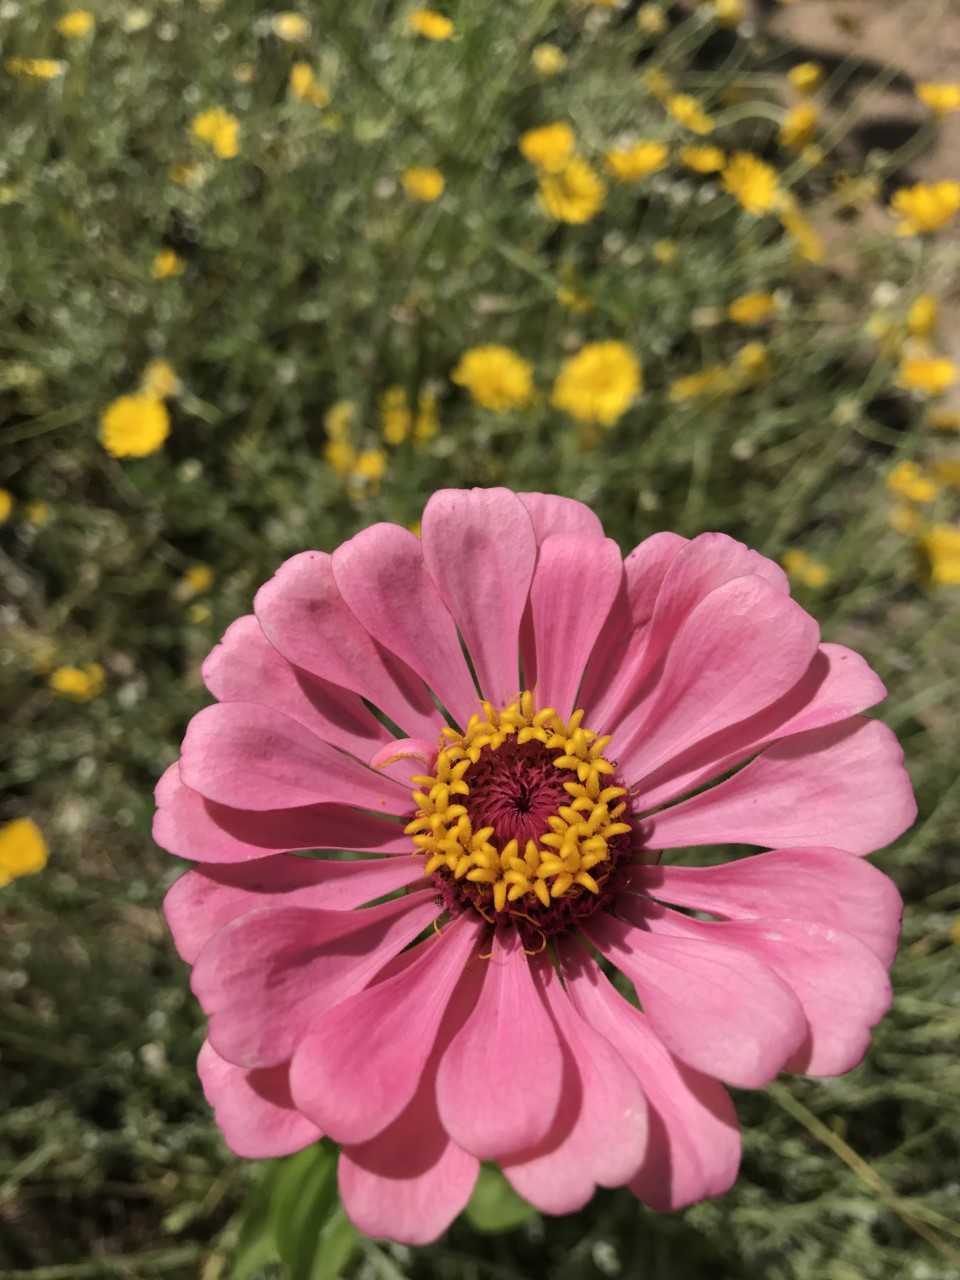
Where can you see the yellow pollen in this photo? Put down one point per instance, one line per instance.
(577, 838)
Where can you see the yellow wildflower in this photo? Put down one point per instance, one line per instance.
(665, 252)
(714, 380)
(651, 20)
(187, 175)
(799, 125)
(304, 86)
(292, 27)
(427, 422)
(548, 59)
(944, 419)
(35, 68)
(631, 163)
(803, 568)
(751, 365)
(806, 239)
(598, 384)
(196, 581)
(930, 375)
(574, 194)
(341, 455)
(79, 684)
(728, 12)
(496, 377)
(6, 505)
(686, 110)
(925, 207)
(37, 513)
(549, 147)
(199, 612)
(906, 519)
(76, 24)
(429, 24)
(657, 83)
(947, 471)
(940, 98)
(703, 159)
(425, 185)
(922, 316)
(395, 416)
(752, 308)
(941, 546)
(159, 380)
(339, 418)
(133, 426)
(752, 182)
(167, 263)
(23, 850)
(370, 465)
(219, 130)
(806, 77)
(907, 480)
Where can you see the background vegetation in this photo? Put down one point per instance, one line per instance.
(304, 275)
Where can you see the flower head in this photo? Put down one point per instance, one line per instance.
(752, 308)
(714, 380)
(430, 24)
(806, 77)
(35, 68)
(159, 380)
(940, 544)
(395, 415)
(305, 87)
(651, 20)
(79, 684)
(752, 182)
(922, 316)
(292, 27)
(703, 159)
(929, 375)
(133, 426)
(496, 377)
(689, 112)
(942, 99)
(23, 850)
(425, 185)
(507, 850)
(548, 59)
(808, 244)
(575, 194)
(76, 24)
(805, 569)
(799, 125)
(925, 207)
(549, 146)
(635, 161)
(598, 384)
(219, 130)
(908, 480)
(166, 264)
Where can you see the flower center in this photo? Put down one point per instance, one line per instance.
(522, 817)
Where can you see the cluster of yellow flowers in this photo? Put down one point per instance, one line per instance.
(570, 189)
(749, 368)
(78, 684)
(137, 424)
(219, 130)
(363, 468)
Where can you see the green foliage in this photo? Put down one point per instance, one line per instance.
(494, 1205)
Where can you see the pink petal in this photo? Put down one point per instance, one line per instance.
(843, 786)
(693, 1148)
(362, 1062)
(264, 979)
(253, 1109)
(245, 667)
(405, 758)
(189, 826)
(202, 902)
(739, 650)
(245, 755)
(841, 985)
(600, 1133)
(574, 587)
(836, 685)
(508, 1037)
(552, 514)
(616, 670)
(719, 1010)
(303, 614)
(382, 576)
(826, 886)
(480, 549)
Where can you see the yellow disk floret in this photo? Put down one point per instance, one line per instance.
(577, 837)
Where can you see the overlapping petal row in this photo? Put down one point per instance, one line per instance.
(345, 998)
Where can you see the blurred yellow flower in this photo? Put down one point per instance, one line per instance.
(305, 87)
(598, 384)
(941, 546)
(23, 850)
(657, 83)
(665, 252)
(930, 375)
(689, 112)
(199, 612)
(427, 422)
(922, 316)
(549, 147)
(187, 175)
(907, 480)
(925, 207)
(751, 365)
(799, 125)
(714, 380)
(806, 239)
(37, 513)
(425, 185)
(6, 505)
(159, 380)
(752, 308)
(370, 465)
(806, 77)
(548, 59)
(727, 12)
(752, 182)
(341, 455)
(703, 159)
(906, 519)
(219, 130)
(339, 419)
(803, 568)
(940, 98)
(651, 19)
(133, 426)
(79, 684)
(35, 68)
(944, 419)
(167, 263)
(76, 24)
(631, 163)
(430, 24)
(197, 580)
(947, 471)
(395, 416)
(496, 377)
(292, 27)
(574, 194)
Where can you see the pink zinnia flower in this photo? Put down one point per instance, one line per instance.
(515, 860)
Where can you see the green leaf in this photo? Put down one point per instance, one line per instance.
(303, 1202)
(494, 1205)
